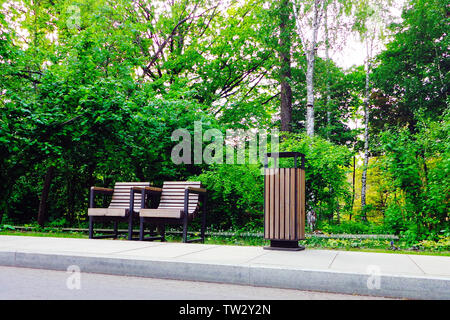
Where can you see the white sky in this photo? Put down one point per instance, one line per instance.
(354, 51)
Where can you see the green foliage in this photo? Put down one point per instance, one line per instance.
(351, 227)
(61, 222)
(413, 71)
(347, 244)
(326, 168)
(345, 98)
(98, 98)
(442, 244)
(395, 218)
(419, 166)
(6, 227)
(235, 196)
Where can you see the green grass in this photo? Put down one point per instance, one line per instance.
(364, 245)
(400, 251)
(54, 234)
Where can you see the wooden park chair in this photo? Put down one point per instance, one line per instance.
(180, 202)
(123, 207)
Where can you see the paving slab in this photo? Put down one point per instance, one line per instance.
(375, 274)
(385, 263)
(432, 265)
(307, 259)
(165, 250)
(70, 245)
(225, 255)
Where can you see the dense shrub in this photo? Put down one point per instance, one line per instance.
(235, 196)
(352, 227)
(327, 189)
(418, 164)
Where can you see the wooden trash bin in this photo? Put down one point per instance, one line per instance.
(284, 202)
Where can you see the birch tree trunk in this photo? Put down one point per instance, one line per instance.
(353, 186)
(327, 60)
(310, 96)
(310, 57)
(285, 62)
(366, 143)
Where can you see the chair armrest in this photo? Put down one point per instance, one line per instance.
(148, 189)
(102, 190)
(200, 191)
(98, 190)
(143, 191)
(155, 189)
(196, 190)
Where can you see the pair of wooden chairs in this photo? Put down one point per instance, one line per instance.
(177, 202)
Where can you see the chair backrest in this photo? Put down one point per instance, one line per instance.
(172, 196)
(121, 195)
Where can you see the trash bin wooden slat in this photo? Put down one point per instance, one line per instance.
(282, 202)
(287, 231)
(292, 203)
(276, 204)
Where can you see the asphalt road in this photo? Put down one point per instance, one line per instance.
(32, 284)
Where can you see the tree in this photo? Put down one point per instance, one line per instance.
(422, 176)
(225, 55)
(371, 17)
(285, 64)
(336, 31)
(412, 74)
(76, 111)
(308, 15)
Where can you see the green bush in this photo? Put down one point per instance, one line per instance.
(443, 244)
(58, 223)
(235, 196)
(418, 165)
(6, 227)
(352, 227)
(394, 219)
(327, 164)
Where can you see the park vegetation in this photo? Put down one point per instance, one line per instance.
(91, 91)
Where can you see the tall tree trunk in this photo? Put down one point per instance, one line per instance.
(70, 197)
(310, 57)
(366, 144)
(90, 179)
(327, 60)
(353, 185)
(285, 61)
(310, 97)
(42, 214)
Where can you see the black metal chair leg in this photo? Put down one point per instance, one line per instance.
(91, 227)
(163, 232)
(202, 233)
(204, 218)
(185, 225)
(141, 229)
(116, 229)
(130, 227)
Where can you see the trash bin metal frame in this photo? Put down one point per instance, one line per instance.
(284, 203)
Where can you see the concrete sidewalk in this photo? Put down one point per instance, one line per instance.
(376, 274)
